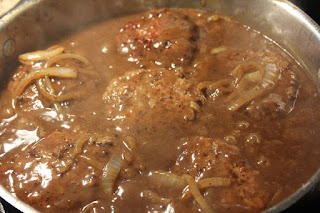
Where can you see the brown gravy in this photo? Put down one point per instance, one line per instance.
(169, 95)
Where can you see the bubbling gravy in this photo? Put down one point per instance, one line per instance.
(170, 110)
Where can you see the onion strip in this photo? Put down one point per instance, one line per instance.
(241, 69)
(153, 197)
(165, 179)
(254, 77)
(213, 182)
(48, 58)
(29, 58)
(270, 76)
(39, 73)
(110, 174)
(206, 183)
(79, 144)
(218, 50)
(206, 208)
(88, 72)
(56, 98)
(49, 86)
(63, 56)
(80, 58)
(245, 98)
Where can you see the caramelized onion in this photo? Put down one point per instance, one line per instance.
(213, 182)
(56, 98)
(241, 69)
(206, 208)
(110, 174)
(52, 55)
(206, 183)
(29, 58)
(63, 56)
(39, 73)
(270, 76)
(88, 72)
(53, 71)
(152, 196)
(79, 144)
(165, 179)
(254, 76)
(218, 50)
(245, 98)
(49, 87)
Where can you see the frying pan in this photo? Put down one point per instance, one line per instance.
(33, 24)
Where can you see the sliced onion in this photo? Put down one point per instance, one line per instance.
(89, 72)
(270, 76)
(248, 96)
(254, 77)
(206, 183)
(49, 86)
(213, 182)
(153, 197)
(206, 208)
(110, 174)
(165, 179)
(63, 56)
(57, 98)
(30, 57)
(40, 73)
(218, 50)
(241, 69)
(79, 144)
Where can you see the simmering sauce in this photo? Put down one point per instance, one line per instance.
(171, 110)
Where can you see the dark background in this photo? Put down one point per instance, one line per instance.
(311, 204)
(311, 7)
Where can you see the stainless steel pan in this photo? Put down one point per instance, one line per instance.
(33, 24)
